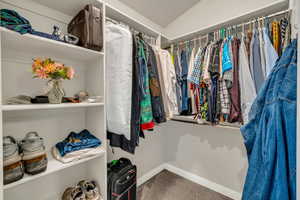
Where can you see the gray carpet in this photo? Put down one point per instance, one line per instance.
(169, 186)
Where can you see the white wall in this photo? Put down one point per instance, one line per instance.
(208, 13)
(216, 154)
(150, 154)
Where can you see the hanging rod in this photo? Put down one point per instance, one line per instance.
(237, 25)
(147, 37)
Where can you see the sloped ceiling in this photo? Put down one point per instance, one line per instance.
(161, 12)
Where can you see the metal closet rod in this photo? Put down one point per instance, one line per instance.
(236, 26)
(145, 36)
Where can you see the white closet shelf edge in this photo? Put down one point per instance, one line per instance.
(191, 120)
(41, 45)
(53, 166)
(48, 106)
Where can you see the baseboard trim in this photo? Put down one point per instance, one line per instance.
(192, 177)
(150, 174)
(204, 182)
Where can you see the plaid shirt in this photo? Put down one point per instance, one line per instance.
(225, 98)
(194, 77)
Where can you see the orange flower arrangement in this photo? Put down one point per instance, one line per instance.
(49, 69)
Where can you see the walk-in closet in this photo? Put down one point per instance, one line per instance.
(149, 100)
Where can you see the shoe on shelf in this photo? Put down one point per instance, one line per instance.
(90, 190)
(12, 163)
(34, 154)
(73, 193)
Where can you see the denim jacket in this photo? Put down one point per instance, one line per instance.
(270, 135)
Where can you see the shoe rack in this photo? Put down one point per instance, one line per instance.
(52, 122)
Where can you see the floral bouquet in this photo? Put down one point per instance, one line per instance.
(49, 69)
(55, 72)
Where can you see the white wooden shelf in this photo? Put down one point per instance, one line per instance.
(53, 166)
(49, 106)
(17, 52)
(190, 119)
(40, 45)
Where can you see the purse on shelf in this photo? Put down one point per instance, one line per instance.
(87, 26)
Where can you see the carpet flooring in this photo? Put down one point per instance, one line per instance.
(169, 186)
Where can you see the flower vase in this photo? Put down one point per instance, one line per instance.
(56, 92)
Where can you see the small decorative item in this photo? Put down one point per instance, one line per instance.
(82, 96)
(55, 72)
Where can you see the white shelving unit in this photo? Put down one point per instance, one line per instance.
(49, 106)
(53, 166)
(52, 122)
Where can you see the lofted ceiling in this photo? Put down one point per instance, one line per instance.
(161, 12)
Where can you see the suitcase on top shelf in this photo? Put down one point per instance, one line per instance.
(87, 26)
(121, 180)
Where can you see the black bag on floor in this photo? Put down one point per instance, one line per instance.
(121, 180)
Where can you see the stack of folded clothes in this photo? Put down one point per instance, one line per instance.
(77, 146)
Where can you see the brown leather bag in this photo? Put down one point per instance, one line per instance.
(87, 26)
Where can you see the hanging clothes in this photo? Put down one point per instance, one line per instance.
(285, 30)
(192, 105)
(235, 109)
(248, 91)
(270, 53)
(257, 73)
(214, 101)
(213, 82)
(184, 85)
(116, 139)
(271, 146)
(262, 52)
(119, 77)
(130, 146)
(146, 106)
(155, 88)
(177, 65)
(167, 75)
(276, 36)
(194, 76)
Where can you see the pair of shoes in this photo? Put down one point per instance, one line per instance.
(84, 190)
(27, 156)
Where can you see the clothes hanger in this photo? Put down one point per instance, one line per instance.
(243, 30)
(235, 31)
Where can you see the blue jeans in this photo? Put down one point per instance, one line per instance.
(184, 86)
(270, 135)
